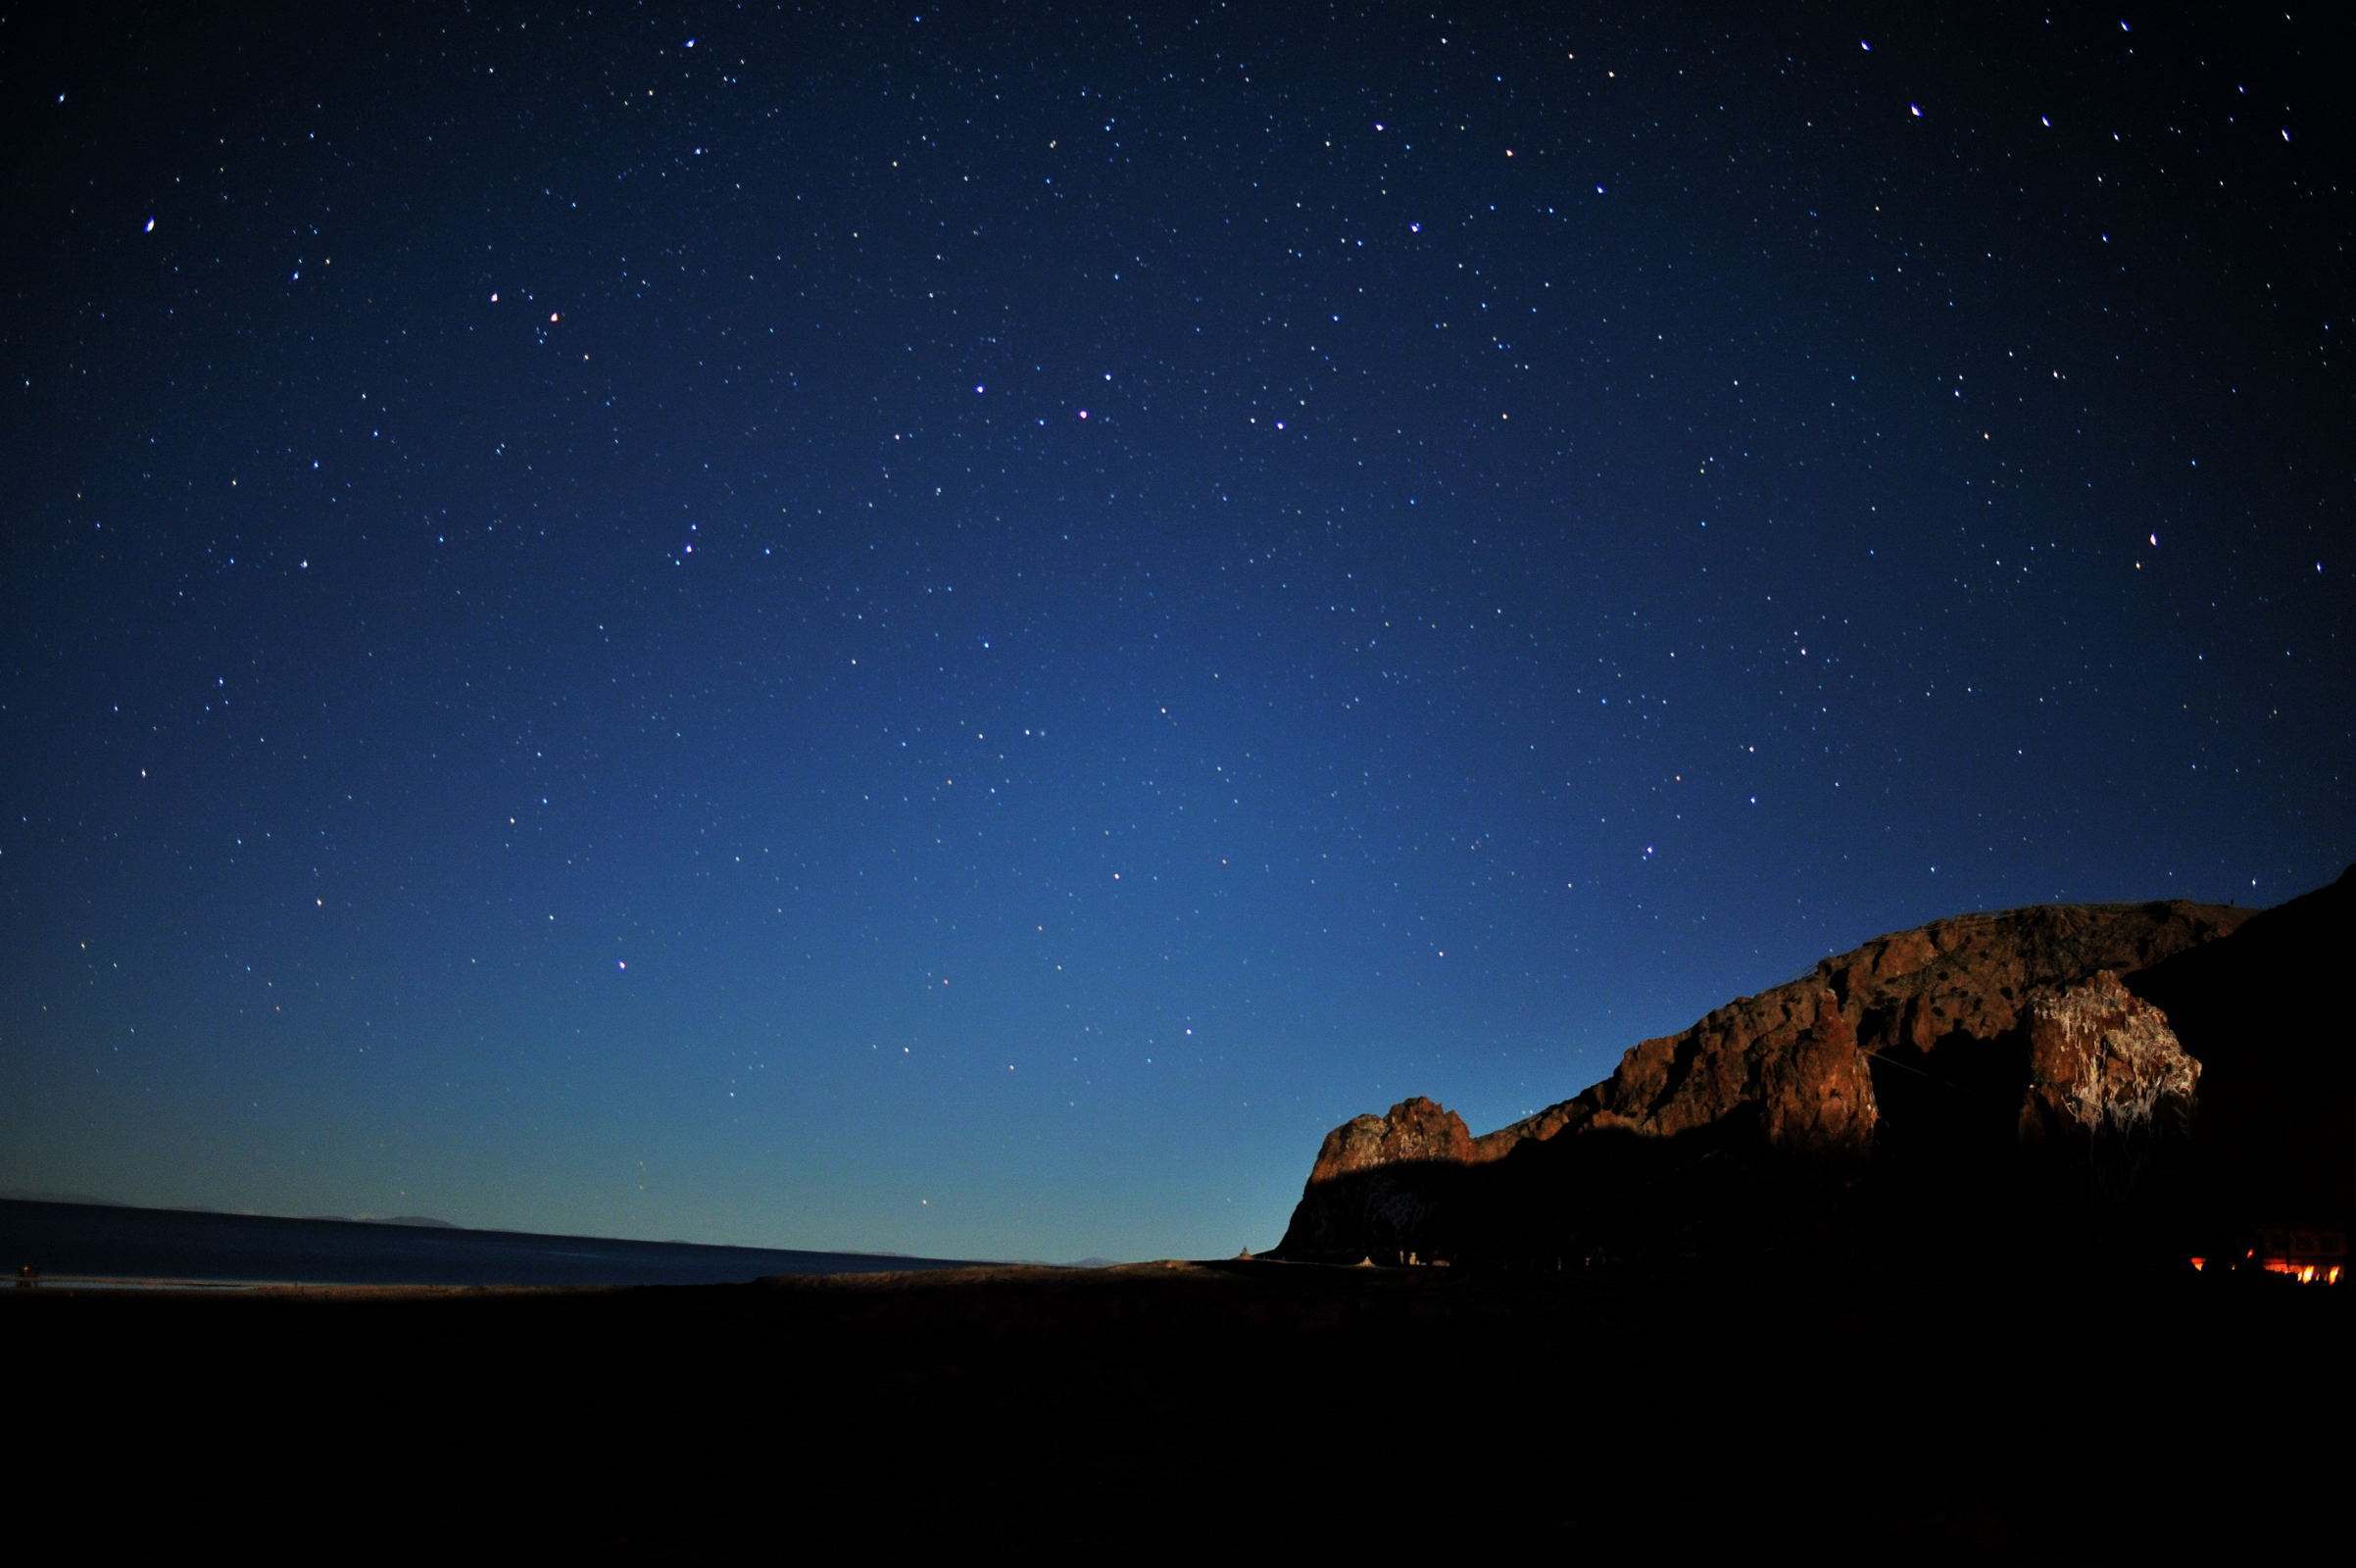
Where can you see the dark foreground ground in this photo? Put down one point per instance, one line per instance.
(1192, 1408)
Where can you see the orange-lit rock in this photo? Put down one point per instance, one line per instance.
(2102, 1061)
(1957, 1008)
(1417, 1129)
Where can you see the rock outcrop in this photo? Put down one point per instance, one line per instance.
(1411, 1131)
(1387, 1181)
(1967, 1035)
(1796, 1060)
(2103, 1063)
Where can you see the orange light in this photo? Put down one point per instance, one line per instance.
(2198, 1264)
(2304, 1273)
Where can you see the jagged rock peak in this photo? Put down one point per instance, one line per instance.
(1417, 1129)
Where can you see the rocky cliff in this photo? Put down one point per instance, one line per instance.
(2103, 1063)
(1935, 1050)
(1383, 1182)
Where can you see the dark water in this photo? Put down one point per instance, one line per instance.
(78, 1240)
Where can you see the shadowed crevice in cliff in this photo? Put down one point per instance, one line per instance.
(2274, 1122)
(1960, 1096)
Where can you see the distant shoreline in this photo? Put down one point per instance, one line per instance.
(122, 1248)
(427, 1222)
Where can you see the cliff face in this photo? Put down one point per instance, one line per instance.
(1415, 1130)
(1970, 1034)
(1924, 997)
(1383, 1179)
(2103, 1063)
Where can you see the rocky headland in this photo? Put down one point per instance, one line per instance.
(2133, 1068)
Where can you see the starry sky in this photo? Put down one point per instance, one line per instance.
(954, 631)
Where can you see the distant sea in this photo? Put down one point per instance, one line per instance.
(112, 1244)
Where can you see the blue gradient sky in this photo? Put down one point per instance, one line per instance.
(957, 633)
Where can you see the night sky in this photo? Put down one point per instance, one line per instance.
(955, 632)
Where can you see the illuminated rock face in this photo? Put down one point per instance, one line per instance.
(1412, 1130)
(1790, 1055)
(2103, 1063)
(1974, 1030)
(1798, 1053)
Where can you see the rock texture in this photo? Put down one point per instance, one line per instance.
(1412, 1130)
(1794, 1060)
(1943, 987)
(1965, 1034)
(2103, 1063)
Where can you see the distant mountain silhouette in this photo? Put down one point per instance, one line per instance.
(2066, 1076)
(86, 1200)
